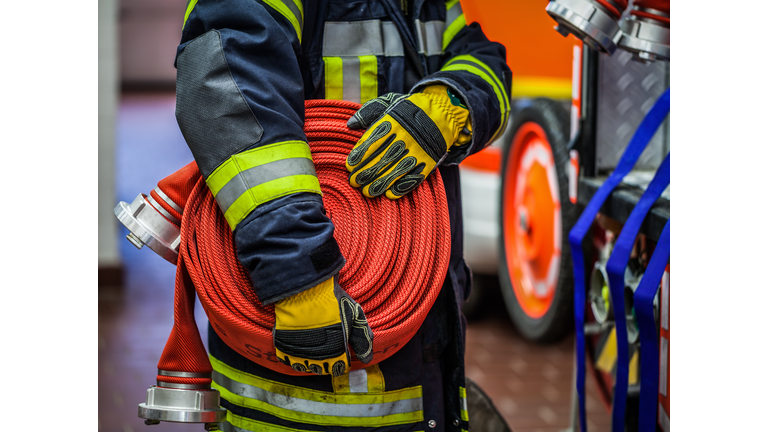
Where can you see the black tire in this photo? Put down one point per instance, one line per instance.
(485, 416)
(557, 321)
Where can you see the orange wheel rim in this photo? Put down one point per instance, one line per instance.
(531, 224)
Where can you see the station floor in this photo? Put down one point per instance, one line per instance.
(530, 384)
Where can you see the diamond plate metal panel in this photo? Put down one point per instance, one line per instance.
(626, 92)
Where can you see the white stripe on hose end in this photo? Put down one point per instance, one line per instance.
(162, 211)
(168, 200)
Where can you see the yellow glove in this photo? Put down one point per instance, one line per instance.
(409, 135)
(313, 327)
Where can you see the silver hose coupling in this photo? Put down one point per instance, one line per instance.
(148, 227)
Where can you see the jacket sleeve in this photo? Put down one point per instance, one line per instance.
(240, 107)
(475, 68)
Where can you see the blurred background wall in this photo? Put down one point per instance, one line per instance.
(109, 258)
(137, 45)
(150, 31)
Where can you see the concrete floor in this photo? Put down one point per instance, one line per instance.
(530, 384)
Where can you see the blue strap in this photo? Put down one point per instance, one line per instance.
(634, 149)
(616, 266)
(649, 349)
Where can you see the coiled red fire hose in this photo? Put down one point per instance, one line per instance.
(397, 255)
(653, 9)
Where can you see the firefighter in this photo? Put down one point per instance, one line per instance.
(435, 90)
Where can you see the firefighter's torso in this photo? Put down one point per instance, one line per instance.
(356, 51)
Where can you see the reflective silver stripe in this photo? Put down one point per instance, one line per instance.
(463, 402)
(168, 200)
(318, 408)
(430, 36)
(358, 381)
(350, 70)
(393, 45)
(257, 175)
(295, 11)
(372, 37)
(453, 13)
(162, 211)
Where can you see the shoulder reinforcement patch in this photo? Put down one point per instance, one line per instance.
(212, 113)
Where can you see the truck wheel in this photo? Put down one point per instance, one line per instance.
(536, 216)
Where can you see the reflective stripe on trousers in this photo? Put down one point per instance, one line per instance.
(298, 404)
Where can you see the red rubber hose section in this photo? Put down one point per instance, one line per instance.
(614, 7)
(650, 6)
(397, 255)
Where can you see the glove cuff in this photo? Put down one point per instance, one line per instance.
(315, 307)
(455, 110)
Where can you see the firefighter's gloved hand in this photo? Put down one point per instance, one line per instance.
(312, 330)
(407, 137)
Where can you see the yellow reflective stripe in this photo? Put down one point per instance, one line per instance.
(556, 88)
(341, 383)
(450, 3)
(369, 83)
(253, 158)
(471, 64)
(257, 426)
(334, 78)
(463, 401)
(375, 379)
(300, 7)
(265, 192)
(318, 419)
(454, 28)
(284, 10)
(238, 191)
(313, 395)
(190, 5)
(498, 93)
(373, 383)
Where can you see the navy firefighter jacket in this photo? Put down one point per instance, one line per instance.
(244, 70)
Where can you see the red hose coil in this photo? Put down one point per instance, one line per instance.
(397, 255)
(614, 7)
(649, 10)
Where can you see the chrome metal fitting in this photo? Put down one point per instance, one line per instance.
(588, 21)
(183, 406)
(166, 384)
(647, 39)
(601, 301)
(631, 282)
(599, 295)
(149, 227)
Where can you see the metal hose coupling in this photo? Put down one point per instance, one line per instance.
(155, 219)
(148, 225)
(596, 22)
(601, 303)
(645, 33)
(183, 403)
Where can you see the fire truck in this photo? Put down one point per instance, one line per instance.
(582, 163)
